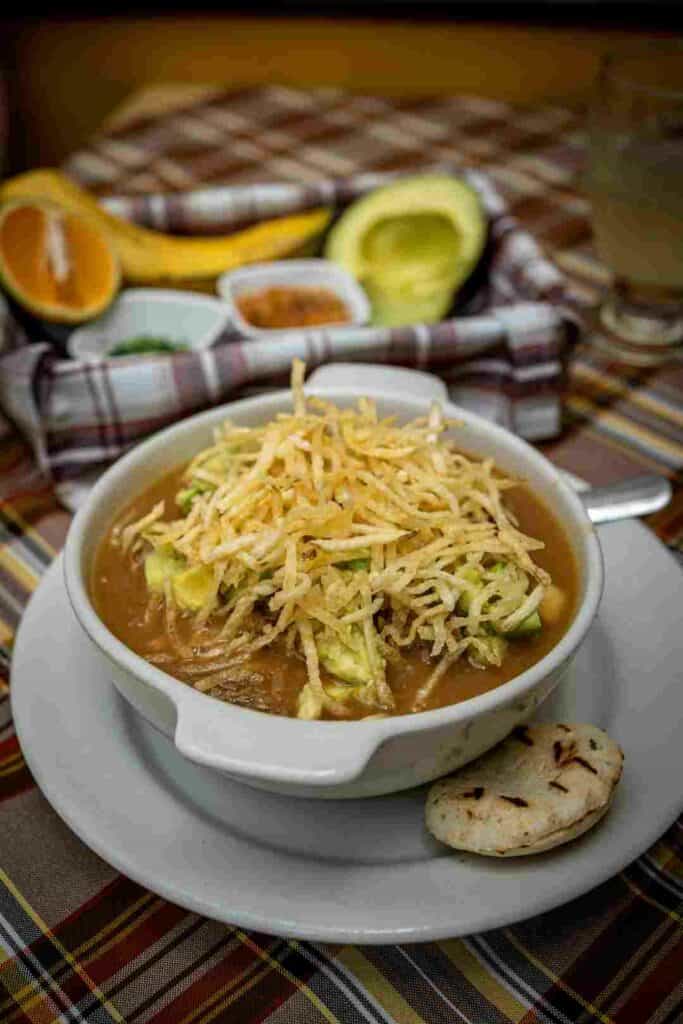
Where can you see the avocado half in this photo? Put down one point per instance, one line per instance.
(411, 244)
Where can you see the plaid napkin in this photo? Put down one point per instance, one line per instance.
(501, 356)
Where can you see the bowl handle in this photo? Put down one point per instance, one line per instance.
(256, 745)
(376, 377)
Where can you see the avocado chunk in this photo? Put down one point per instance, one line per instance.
(185, 498)
(354, 564)
(309, 704)
(467, 596)
(160, 565)
(218, 464)
(411, 244)
(528, 627)
(342, 691)
(350, 664)
(193, 588)
(360, 560)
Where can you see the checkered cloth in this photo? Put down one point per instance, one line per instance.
(504, 359)
(80, 942)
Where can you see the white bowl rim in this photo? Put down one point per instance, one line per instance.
(368, 734)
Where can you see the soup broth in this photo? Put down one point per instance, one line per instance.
(271, 679)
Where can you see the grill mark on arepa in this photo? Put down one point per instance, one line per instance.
(516, 801)
(473, 794)
(558, 785)
(585, 764)
(564, 754)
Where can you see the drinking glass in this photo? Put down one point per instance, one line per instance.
(634, 180)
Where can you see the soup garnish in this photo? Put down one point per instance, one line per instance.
(280, 307)
(347, 546)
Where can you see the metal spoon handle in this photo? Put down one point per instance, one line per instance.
(635, 497)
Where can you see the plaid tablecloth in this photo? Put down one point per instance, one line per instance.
(80, 942)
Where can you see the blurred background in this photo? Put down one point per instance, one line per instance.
(64, 73)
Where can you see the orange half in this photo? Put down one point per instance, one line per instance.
(56, 264)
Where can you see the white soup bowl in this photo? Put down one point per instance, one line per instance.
(329, 759)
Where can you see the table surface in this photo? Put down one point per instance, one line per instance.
(80, 942)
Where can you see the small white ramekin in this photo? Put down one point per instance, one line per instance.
(329, 759)
(179, 316)
(313, 273)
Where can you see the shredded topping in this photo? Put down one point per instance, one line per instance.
(351, 536)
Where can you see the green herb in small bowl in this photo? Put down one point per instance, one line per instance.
(144, 345)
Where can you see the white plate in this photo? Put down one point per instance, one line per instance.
(352, 871)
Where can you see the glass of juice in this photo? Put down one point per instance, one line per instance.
(634, 180)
